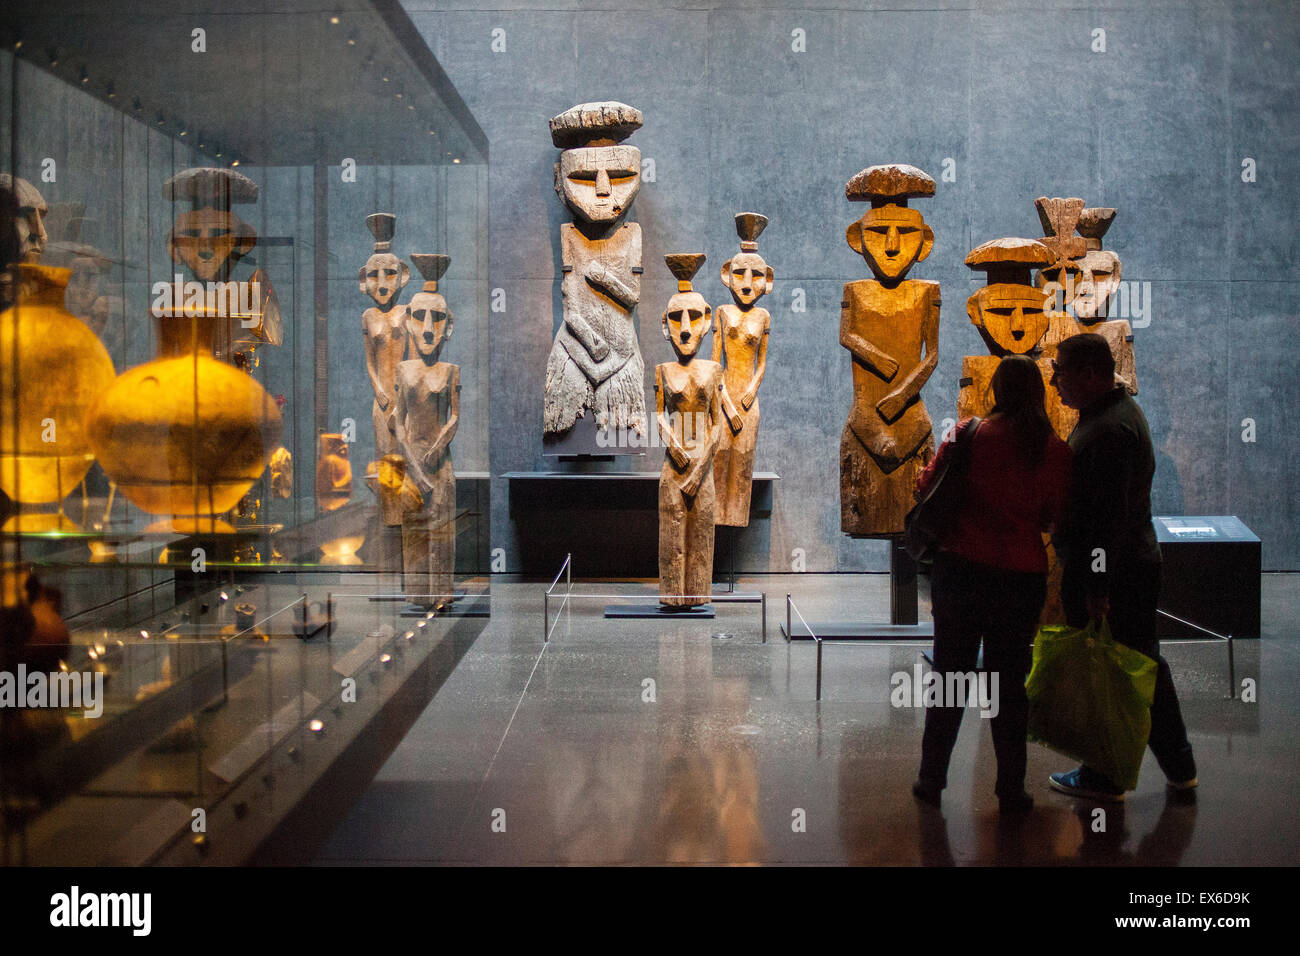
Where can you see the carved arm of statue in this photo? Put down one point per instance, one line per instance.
(448, 430)
(892, 405)
(751, 393)
(705, 457)
(602, 278)
(864, 351)
(372, 370)
(675, 449)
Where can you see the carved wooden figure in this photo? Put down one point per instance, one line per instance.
(382, 278)
(688, 399)
(428, 412)
(890, 325)
(1009, 312)
(595, 361)
(1094, 291)
(740, 336)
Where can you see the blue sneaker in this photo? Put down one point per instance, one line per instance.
(1074, 783)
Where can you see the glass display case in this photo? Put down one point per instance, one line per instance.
(243, 460)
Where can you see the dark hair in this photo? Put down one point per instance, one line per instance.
(1087, 350)
(1018, 396)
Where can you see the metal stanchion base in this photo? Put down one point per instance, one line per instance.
(859, 631)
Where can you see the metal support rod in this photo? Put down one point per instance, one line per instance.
(546, 617)
(819, 670)
(1232, 672)
(789, 634)
(764, 617)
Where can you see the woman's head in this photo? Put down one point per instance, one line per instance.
(1017, 383)
(1018, 396)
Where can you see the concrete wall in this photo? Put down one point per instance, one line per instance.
(1015, 95)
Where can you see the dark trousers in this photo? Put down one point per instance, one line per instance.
(1134, 593)
(974, 603)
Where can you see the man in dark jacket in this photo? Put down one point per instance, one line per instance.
(1107, 544)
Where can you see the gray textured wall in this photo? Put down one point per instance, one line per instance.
(1157, 125)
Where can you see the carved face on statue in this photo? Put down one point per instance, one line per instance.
(1011, 317)
(428, 322)
(83, 286)
(892, 239)
(686, 321)
(209, 241)
(383, 277)
(748, 277)
(29, 222)
(599, 182)
(1095, 283)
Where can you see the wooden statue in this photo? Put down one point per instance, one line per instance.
(688, 400)
(382, 278)
(740, 336)
(890, 325)
(595, 362)
(428, 412)
(1094, 290)
(1009, 312)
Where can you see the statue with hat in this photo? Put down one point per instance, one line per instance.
(382, 278)
(688, 402)
(890, 326)
(595, 362)
(740, 337)
(428, 412)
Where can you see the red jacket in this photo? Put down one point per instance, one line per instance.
(1008, 506)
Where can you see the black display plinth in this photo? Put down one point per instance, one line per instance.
(607, 519)
(1210, 576)
(702, 611)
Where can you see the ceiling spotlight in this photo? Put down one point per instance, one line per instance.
(84, 77)
(111, 90)
(334, 20)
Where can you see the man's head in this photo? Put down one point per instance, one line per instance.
(1083, 370)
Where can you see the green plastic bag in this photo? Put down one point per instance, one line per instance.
(1090, 699)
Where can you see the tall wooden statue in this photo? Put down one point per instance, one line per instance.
(595, 362)
(688, 401)
(382, 278)
(890, 325)
(740, 336)
(1094, 290)
(428, 411)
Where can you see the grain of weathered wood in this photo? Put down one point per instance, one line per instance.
(890, 326)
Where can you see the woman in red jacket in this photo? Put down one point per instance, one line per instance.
(990, 573)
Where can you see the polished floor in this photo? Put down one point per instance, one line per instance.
(652, 742)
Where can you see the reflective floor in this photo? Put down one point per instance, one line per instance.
(649, 742)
